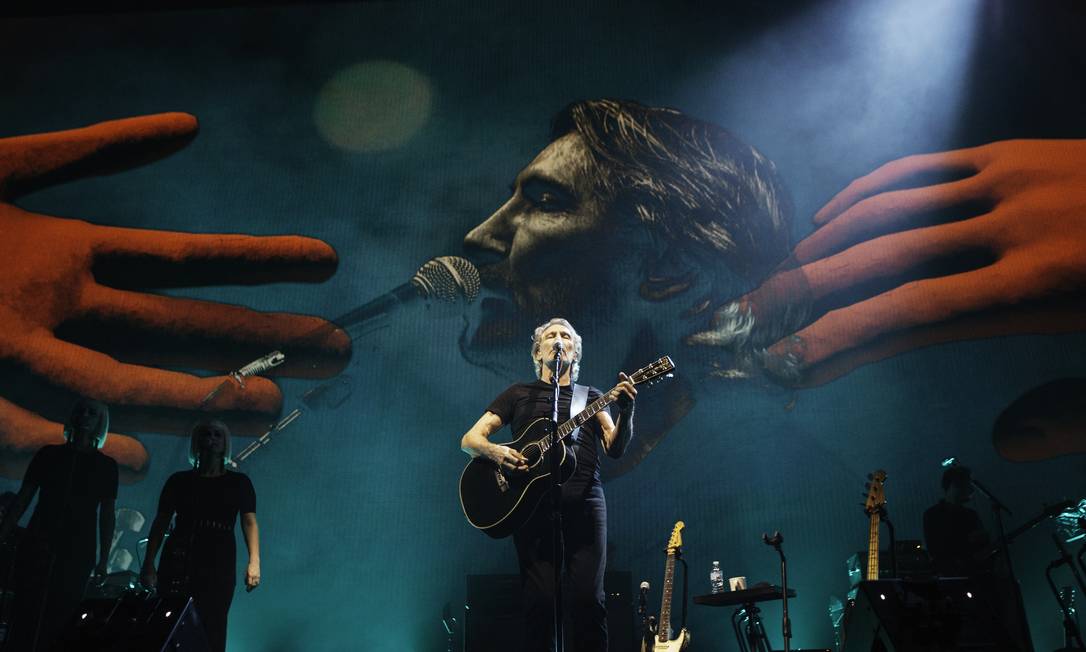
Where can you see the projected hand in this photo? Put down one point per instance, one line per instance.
(896, 264)
(76, 319)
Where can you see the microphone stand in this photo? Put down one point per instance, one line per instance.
(893, 541)
(1071, 632)
(786, 623)
(555, 465)
(642, 610)
(997, 510)
(1065, 557)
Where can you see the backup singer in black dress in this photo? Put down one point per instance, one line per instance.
(200, 557)
(584, 510)
(78, 493)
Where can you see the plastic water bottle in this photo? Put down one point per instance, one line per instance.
(716, 578)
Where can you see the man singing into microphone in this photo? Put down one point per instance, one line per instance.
(584, 510)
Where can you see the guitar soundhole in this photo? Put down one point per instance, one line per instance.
(533, 454)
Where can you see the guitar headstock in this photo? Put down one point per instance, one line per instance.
(676, 540)
(653, 373)
(876, 494)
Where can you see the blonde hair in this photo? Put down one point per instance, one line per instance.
(101, 429)
(537, 336)
(194, 436)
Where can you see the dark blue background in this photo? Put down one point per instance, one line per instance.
(363, 538)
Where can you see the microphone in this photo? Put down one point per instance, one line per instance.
(446, 279)
(559, 346)
(776, 540)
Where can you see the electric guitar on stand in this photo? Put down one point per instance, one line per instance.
(873, 506)
(662, 642)
(498, 502)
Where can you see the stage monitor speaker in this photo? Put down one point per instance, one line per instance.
(494, 619)
(135, 623)
(928, 616)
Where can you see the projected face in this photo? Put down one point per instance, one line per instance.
(552, 248)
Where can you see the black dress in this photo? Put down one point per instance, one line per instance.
(56, 555)
(200, 557)
(584, 528)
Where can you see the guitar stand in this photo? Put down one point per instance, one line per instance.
(749, 631)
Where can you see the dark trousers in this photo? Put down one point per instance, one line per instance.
(208, 577)
(584, 528)
(49, 587)
(212, 601)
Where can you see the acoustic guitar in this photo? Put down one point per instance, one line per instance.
(498, 501)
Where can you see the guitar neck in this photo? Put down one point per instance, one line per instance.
(873, 548)
(665, 606)
(579, 419)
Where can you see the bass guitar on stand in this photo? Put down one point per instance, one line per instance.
(874, 505)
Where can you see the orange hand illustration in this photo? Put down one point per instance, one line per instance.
(76, 319)
(900, 262)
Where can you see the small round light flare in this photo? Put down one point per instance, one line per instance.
(969, 594)
(373, 106)
(84, 616)
(168, 613)
(882, 596)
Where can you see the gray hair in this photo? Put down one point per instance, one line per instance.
(576, 370)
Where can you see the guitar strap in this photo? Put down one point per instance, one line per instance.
(576, 405)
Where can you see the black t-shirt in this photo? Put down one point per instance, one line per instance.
(73, 483)
(955, 538)
(523, 403)
(207, 509)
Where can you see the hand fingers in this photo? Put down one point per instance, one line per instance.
(31, 162)
(22, 433)
(896, 174)
(888, 212)
(997, 322)
(170, 331)
(130, 387)
(513, 460)
(785, 301)
(915, 314)
(142, 258)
